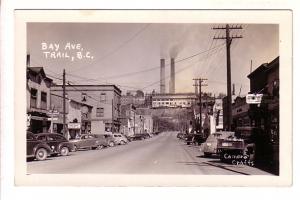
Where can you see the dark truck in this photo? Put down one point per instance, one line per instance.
(230, 148)
(248, 143)
(194, 138)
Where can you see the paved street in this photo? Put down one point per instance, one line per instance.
(162, 154)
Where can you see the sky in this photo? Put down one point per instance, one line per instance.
(128, 54)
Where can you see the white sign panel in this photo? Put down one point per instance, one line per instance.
(254, 98)
(54, 112)
(74, 125)
(53, 119)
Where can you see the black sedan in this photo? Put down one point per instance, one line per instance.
(37, 149)
(58, 143)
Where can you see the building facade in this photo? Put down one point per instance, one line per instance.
(184, 100)
(240, 112)
(78, 116)
(128, 113)
(105, 100)
(218, 115)
(38, 99)
(265, 80)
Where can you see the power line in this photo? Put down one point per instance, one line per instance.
(98, 81)
(157, 67)
(228, 38)
(175, 73)
(113, 51)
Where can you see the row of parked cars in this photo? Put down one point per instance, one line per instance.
(226, 142)
(42, 145)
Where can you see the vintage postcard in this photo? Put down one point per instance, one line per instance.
(153, 98)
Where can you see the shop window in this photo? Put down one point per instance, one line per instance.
(108, 127)
(33, 98)
(100, 112)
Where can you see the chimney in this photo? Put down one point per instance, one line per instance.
(172, 80)
(28, 60)
(162, 76)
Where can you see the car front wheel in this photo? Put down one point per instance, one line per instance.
(64, 151)
(111, 144)
(122, 142)
(41, 154)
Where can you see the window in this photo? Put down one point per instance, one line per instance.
(44, 100)
(42, 138)
(33, 98)
(59, 137)
(103, 97)
(100, 112)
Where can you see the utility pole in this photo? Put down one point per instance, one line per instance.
(64, 104)
(112, 116)
(134, 123)
(199, 85)
(228, 39)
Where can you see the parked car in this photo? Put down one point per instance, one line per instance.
(189, 139)
(209, 147)
(140, 136)
(181, 135)
(194, 138)
(119, 138)
(105, 139)
(58, 143)
(156, 132)
(88, 141)
(37, 149)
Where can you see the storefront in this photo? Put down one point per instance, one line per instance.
(74, 130)
(37, 122)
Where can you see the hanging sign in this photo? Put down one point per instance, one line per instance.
(254, 98)
(74, 125)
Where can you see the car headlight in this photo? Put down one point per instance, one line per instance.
(208, 144)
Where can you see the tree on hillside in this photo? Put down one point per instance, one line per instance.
(139, 93)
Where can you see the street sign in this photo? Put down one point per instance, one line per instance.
(254, 98)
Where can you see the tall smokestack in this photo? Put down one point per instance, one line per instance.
(162, 76)
(172, 80)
